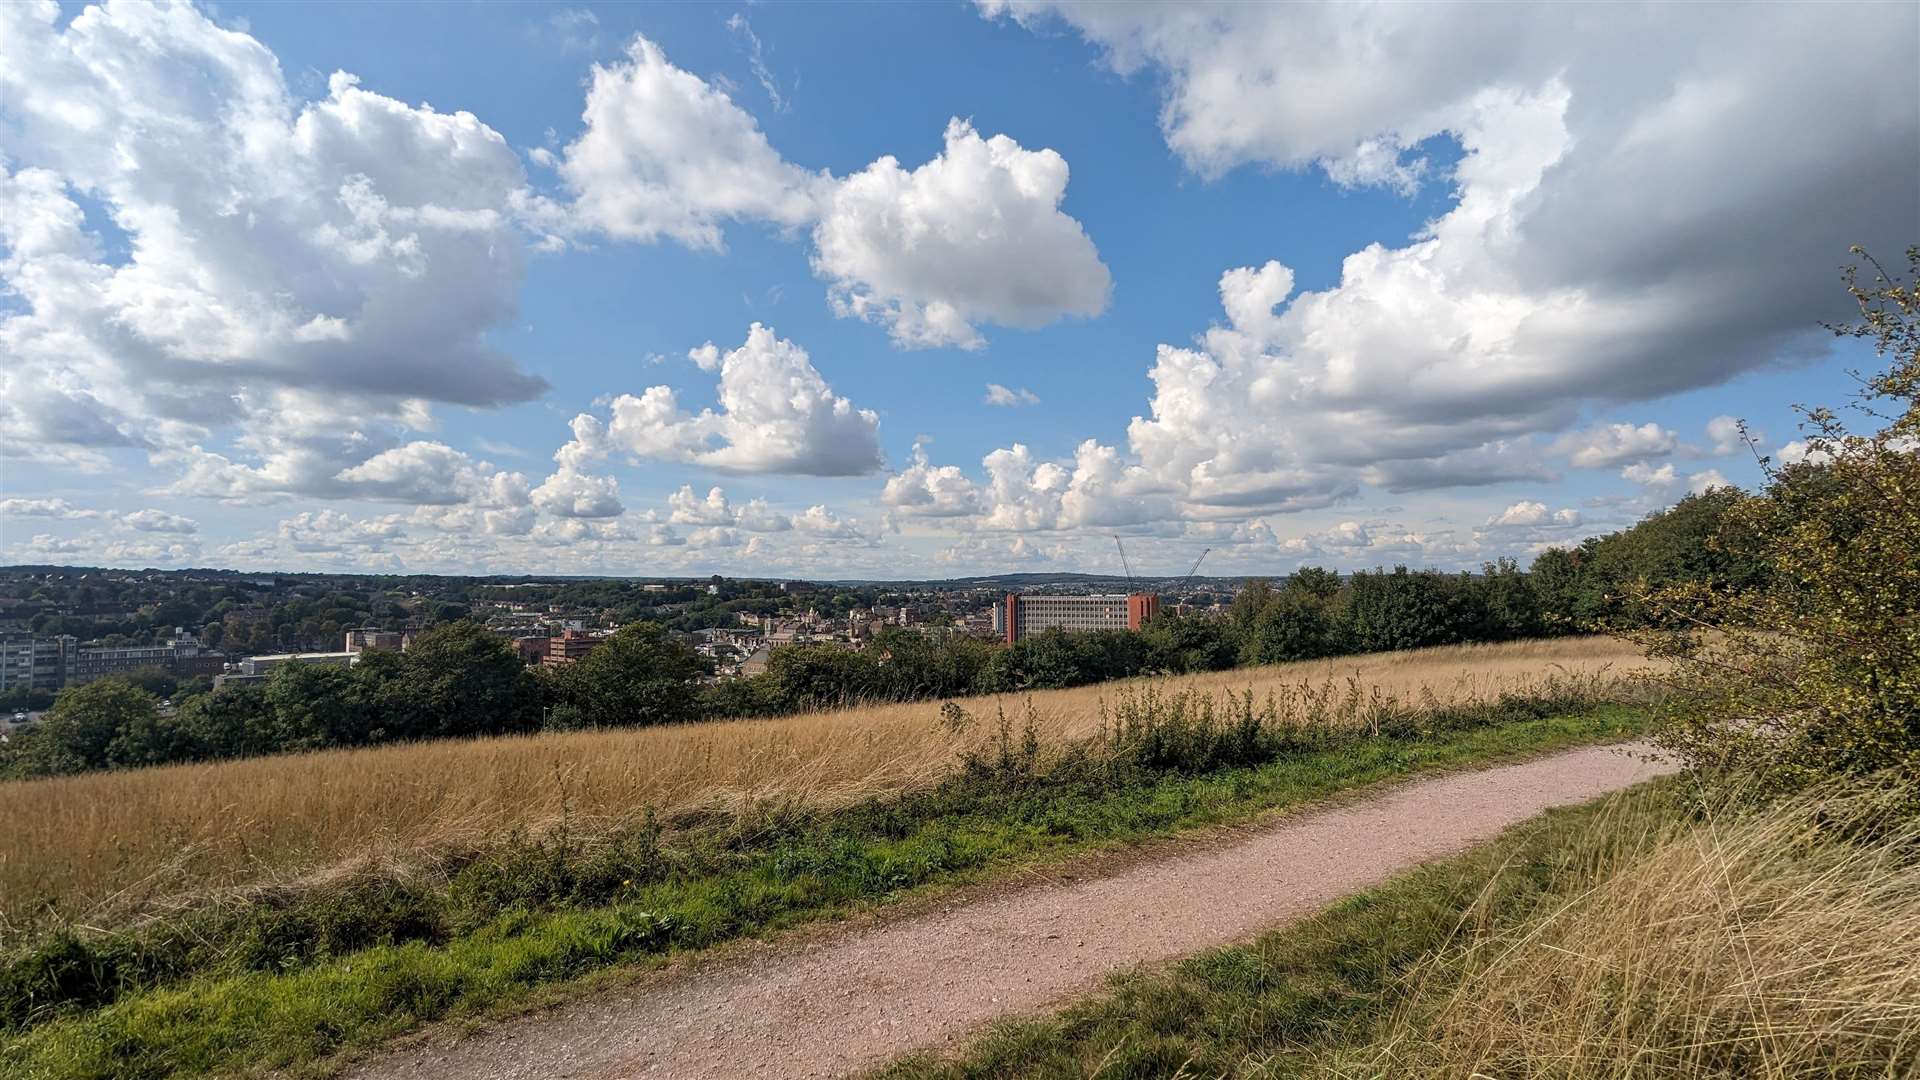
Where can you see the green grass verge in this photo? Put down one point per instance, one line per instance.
(1290, 1002)
(297, 984)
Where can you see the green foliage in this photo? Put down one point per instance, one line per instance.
(154, 680)
(226, 723)
(1816, 672)
(1183, 644)
(98, 725)
(1411, 610)
(314, 707)
(1511, 607)
(807, 677)
(914, 666)
(1296, 623)
(639, 676)
(1603, 584)
(22, 699)
(459, 679)
(757, 695)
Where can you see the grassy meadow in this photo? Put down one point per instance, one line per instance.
(290, 961)
(104, 847)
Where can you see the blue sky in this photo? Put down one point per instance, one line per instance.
(1383, 284)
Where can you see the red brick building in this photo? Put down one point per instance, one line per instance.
(571, 646)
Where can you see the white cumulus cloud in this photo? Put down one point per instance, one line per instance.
(972, 237)
(975, 235)
(1549, 285)
(776, 414)
(1609, 445)
(1726, 436)
(316, 273)
(665, 153)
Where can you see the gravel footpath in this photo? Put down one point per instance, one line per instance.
(832, 1003)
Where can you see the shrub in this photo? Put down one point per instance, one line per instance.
(1816, 671)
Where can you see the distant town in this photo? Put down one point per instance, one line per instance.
(66, 626)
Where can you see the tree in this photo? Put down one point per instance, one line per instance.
(1186, 643)
(1315, 581)
(233, 721)
(1045, 661)
(1601, 585)
(79, 732)
(1296, 624)
(1509, 602)
(912, 666)
(639, 676)
(314, 707)
(157, 681)
(1405, 610)
(752, 695)
(1247, 606)
(1814, 670)
(821, 676)
(459, 679)
(149, 738)
(1556, 583)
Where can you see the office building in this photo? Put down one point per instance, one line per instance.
(1026, 614)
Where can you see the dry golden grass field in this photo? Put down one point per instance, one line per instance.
(120, 842)
(1757, 945)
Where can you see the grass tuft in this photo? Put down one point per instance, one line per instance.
(1762, 943)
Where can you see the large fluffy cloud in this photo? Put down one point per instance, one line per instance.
(775, 414)
(666, 154)
(332, 266)
(571, 494)
(432, 473)
(974, 235)
(1602, 245)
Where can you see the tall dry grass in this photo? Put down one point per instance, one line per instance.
(96, 845)
(1772, 944)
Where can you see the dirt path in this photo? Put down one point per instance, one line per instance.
(846, 1001)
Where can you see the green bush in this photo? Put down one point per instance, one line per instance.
(1815, 672)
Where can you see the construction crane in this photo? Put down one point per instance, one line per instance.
(1188, 580)
(1124, 565)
